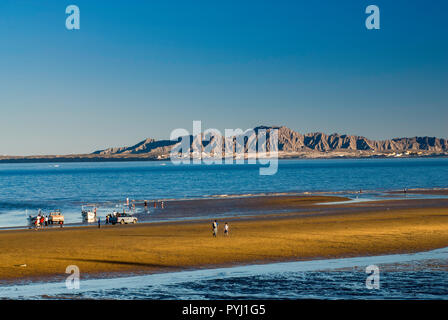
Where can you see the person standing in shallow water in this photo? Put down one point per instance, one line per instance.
(215, 228)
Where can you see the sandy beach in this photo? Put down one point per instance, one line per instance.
(323, 231)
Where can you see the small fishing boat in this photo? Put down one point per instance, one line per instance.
(32, 219)
(88, 213)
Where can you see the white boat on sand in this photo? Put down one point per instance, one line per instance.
(88, 213)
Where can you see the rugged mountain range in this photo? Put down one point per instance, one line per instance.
(292, 142)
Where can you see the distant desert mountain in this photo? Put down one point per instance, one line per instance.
(290, 141)
(291, 144)
(146, 146)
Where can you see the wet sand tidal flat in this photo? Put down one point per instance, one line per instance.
(315, 231)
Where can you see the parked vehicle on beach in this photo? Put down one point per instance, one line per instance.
(56, 217)
(123, 218)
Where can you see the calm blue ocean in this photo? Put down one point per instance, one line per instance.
(67, 185)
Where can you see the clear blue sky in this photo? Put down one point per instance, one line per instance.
(140, 69)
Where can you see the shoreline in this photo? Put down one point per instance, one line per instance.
(55, 289)
(320, 232)
(194, 209)
(151, 158)
(222, 205)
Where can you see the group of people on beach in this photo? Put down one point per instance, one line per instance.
(131, 206)
(162, 204)
(215, 229)
(40, 222)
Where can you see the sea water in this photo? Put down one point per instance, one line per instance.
(66, 186)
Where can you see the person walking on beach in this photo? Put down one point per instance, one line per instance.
(46, 221)
(226, 229)
(215, 228)
(99, 223)
(42, 222)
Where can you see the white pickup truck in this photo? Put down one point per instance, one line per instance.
(123, 218)
(56, 217)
